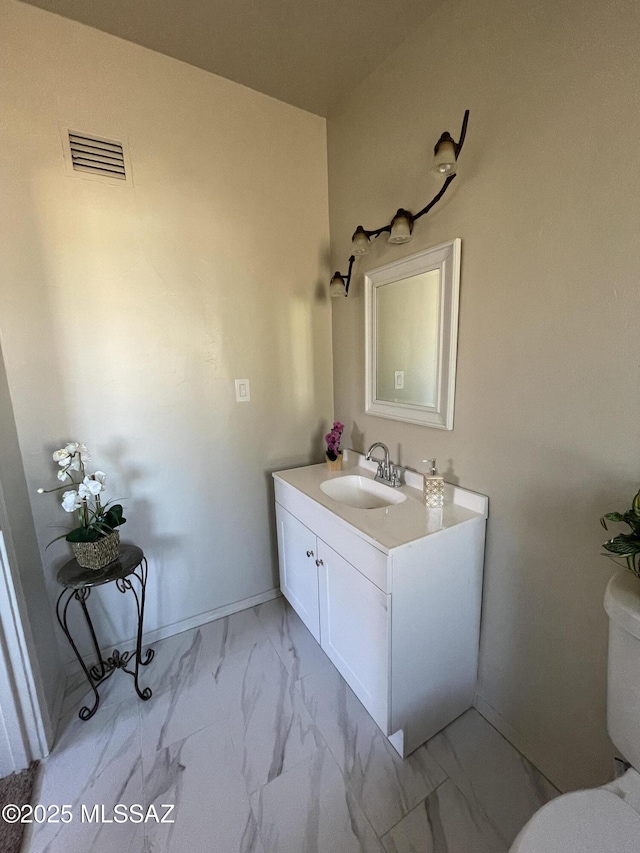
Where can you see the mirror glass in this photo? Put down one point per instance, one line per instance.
(407, 323)
(412, 320)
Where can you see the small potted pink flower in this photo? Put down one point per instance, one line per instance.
(334, 454)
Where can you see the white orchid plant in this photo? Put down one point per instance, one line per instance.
(96, 519)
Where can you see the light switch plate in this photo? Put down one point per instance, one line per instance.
(399, 379)
(243, 391)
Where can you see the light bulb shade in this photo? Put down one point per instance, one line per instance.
(400, 229)
(360, 242)
(337, 286)
(444, 161)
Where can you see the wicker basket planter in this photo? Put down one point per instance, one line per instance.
(96, 555)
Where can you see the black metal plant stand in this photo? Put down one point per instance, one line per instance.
(130, 566)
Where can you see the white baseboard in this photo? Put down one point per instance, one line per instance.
(543, 763)
(72, 666)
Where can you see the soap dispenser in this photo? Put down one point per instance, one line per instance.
(433, 486)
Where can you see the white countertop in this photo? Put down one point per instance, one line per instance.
(391, 526)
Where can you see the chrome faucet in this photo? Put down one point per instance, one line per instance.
(387, 473)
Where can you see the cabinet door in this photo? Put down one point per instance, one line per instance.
(354, 630)
(298, 570)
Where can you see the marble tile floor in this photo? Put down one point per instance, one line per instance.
(261, 747)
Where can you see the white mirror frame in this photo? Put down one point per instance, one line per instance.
(445, 258)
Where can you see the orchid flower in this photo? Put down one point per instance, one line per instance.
(333, 440)
(76, 447)
(82, 495)
(92, 485)
(71, 501)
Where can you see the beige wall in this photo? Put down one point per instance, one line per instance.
(127, 313)
(16, 524)
(547, 404)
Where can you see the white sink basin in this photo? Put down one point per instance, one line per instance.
(361, 492)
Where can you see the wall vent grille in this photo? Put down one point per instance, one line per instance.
(97, 156)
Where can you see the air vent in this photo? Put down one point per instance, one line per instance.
(97, 156)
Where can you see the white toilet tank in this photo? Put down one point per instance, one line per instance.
(622, 603)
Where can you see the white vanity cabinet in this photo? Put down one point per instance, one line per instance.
(355, 638)
(392, 595)
(298, 573)
(321, 586)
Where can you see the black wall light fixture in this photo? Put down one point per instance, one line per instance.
(400, 229)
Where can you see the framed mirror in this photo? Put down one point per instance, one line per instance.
(412, 336)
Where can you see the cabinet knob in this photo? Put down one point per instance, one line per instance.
(319, 563)
(309, 553)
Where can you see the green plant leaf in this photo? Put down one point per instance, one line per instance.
(624, 543)
(632, 518)
(611, 516)
(105, 529)
(632, 564)
(84, 534)
(114, 517)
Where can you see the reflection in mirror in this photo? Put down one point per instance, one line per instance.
(412, 328)
(407, 323)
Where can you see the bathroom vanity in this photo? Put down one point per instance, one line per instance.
(391, 591)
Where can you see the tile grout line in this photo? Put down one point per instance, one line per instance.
(348, 785)
(422, 802)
